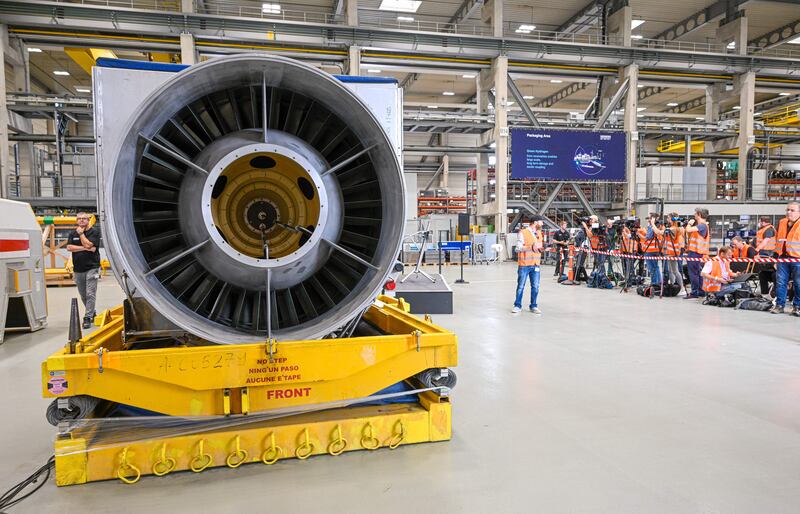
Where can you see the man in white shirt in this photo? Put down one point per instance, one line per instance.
(724, 276)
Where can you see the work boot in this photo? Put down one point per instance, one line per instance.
(87, 323)
(776, 309)
(796, 311)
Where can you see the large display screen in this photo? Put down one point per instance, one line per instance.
(567, 155)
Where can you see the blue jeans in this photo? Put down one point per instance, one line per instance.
(695, 268)
(600, 261)
(653, 269)
(729, 288)
(785, 271)
(523, 273)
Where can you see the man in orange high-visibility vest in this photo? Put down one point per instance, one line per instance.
(788, 246)
(717, 274)
(765, 246)
(529, 257)
(698, 239)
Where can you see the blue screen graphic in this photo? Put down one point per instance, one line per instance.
(567, 155)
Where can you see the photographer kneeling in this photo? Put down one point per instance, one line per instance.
(717, 274)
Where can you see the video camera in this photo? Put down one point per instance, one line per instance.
(680, 220)
(596, 227)
(631, 223)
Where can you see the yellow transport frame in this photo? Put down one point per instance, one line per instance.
(237, 380)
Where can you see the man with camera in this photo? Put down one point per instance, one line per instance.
(561, 241)
(629, 246)
(698, 239)
(653, 242)
(597, 239)
(530, 243)
(765, 247)
(673, 247)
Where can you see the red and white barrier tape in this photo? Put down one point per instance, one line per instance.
(617, 253)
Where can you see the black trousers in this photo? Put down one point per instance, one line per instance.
(561, 260)
(765, 278)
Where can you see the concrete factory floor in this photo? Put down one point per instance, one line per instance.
(606, 403)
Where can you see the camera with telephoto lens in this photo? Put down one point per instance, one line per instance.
(632, 223)
(680, 220)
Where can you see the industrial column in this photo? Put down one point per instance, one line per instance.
(500, 69)
(482, 80)
(732, 33)
(354, 60)
(5, 159)
(631, 74)
(495, 209)
(619, 26)
(713, 94)
(747, 91)
(351, 12)
(492, 13)
(188, 50)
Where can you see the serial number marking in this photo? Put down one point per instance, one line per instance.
(208, 361)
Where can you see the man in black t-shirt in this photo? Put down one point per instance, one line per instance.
(84, 243)
(561, 240)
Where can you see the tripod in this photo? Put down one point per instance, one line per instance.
(632, 262)
(417, 267)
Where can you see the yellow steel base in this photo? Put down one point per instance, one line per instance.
(230, 380)
(84, 456)
(238, 379)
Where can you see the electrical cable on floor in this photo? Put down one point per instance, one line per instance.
(9, 498)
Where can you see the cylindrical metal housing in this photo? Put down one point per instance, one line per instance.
(204, 206)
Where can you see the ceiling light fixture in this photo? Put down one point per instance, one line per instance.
(468, 76)
(736, 107)
(556, 81)
(525, 29)
(731, 45)
(34, 50)
(784, 94)
(528, 97)
(270, 8)
(405, 18)
(672, 104)
(83, 90)
(433, 107)
(400, 5)
(61, 73)
(640, 109)
(448, 93)
(371, 71)
(637, 36)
